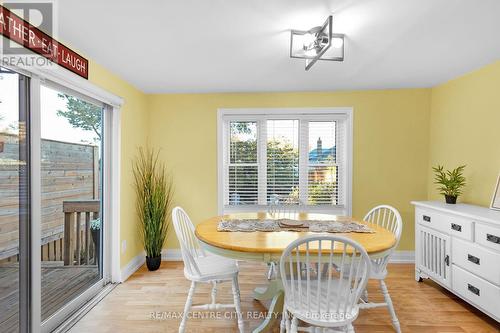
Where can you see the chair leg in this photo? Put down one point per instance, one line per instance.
(214, 291)
(350, 329)
(283, 323)
(187, 307)
(390, 306)
(237, 305)
(271, 269)
(287, 321)
(364, 295)
(294, 327)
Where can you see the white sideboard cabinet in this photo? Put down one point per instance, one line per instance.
(458, 246)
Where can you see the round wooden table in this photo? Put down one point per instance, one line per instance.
(268, 246)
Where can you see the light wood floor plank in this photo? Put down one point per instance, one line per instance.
(421, 307)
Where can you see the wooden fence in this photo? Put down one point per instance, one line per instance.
(70, 171)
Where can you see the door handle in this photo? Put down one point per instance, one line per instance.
(493, 238)
(473, 259)
(473, 289)
(447, 260)
(456, 227)
(426, 218)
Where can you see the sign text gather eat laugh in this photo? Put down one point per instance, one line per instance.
(30, 37)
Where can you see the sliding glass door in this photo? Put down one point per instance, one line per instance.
(71, 223)
(52, 219)
(14, 201)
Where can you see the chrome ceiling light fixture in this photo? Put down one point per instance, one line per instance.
(318, 43)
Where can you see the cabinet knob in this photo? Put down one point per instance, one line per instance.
(456, 227)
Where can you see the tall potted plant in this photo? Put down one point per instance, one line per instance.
(153, 187)
(451, 182)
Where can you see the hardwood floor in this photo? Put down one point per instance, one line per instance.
(143, 303)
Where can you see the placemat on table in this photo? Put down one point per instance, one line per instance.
(249, 225)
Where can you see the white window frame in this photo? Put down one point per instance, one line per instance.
(303, 115)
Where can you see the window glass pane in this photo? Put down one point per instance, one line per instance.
(71, 227)
(322, 170)
(14, 209)
(243, 142)
(323, 188)
(243, 169)
(282, 161)
(322, 145)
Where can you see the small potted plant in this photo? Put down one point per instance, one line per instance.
(154, 192)
(95, 231)
(451, 182)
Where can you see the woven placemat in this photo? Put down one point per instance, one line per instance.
(250, 225)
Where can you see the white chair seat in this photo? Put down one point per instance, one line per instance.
(214, 267)
(329, 314)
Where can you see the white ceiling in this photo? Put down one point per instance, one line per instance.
(164, 46)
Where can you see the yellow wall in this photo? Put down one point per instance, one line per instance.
(465, 129)
(398, 136)
(390, 145)
(134, 129)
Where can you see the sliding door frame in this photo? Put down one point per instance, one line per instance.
(24, 201)
(31, 268)
(36, 204)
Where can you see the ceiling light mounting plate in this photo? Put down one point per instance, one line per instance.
(318, 43)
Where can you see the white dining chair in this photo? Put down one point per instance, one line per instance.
(200, 268)
(281, 208)
(326, 298)
(389, 218)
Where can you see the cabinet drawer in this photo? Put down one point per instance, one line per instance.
(478, 291)
(488, 236)
(448, 224)
(476, 259)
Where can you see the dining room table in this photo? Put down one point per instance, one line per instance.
(267, 247)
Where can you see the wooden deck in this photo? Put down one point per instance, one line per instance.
(60, 284)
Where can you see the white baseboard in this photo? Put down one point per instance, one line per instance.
(132, 266)
(403, 257)
(171, 255)
(399, 257)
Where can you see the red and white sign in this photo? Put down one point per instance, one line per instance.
(18, 30)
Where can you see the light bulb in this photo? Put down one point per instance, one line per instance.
(337, 42)
(309, 38)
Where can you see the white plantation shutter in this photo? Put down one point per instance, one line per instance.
(282, 161)
(242, 164)
(322, 164)
(287, 158)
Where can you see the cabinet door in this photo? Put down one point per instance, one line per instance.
(434, 254)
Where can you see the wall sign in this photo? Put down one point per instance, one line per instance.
(22, 32)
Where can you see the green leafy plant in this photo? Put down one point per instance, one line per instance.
(154, 190)
(451, 182)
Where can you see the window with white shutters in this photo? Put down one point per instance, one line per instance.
(297, 158)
